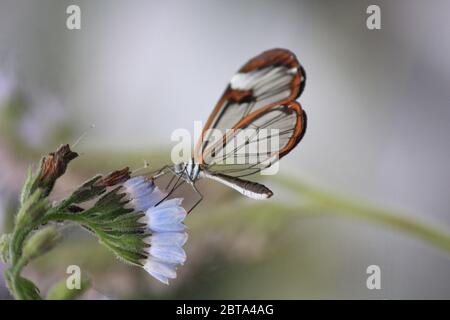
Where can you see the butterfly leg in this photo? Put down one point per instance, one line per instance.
(200, 197)
(175, 186)
(170, 181)
(179, 182)
(159, 173)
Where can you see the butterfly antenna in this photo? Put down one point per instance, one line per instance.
(145, 166)
(81, 137)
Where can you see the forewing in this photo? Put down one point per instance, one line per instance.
(271, 79)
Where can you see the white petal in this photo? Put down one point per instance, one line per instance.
(146, 200)
(159, 270)
(166, 215)
(141, 204)
(169, 238)
(156, 196)
(159, 277)
(170, 227)
(169, 254)
(175, 202)
(166, 219)
(141, 190)
(133, 181)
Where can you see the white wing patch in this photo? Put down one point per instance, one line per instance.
(263, 80)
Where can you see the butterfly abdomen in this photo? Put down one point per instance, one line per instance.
(250, 189)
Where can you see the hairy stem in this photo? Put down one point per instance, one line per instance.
(18, 238)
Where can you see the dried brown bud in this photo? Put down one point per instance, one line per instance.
(54, 166)
(98, 185)
(114, 178)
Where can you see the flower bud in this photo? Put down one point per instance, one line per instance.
(54, 166)
(115, 177)
(96, 186)
(32, 210)
(40, 242)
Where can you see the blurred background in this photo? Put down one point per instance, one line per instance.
(378, 110)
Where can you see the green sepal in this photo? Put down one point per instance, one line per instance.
(88, 191)
(111, 204)
(29, 182)
(134, 258)
(34, 207)
(118, 227)
(128, 222)
(40, 243)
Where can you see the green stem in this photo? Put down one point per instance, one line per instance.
(17, 262)
(16, 244)
(14, 274)
(335, 204)
(60, 216)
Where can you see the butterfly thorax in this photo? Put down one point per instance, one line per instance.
(190, 170)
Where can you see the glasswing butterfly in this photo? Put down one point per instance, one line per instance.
(260, 96)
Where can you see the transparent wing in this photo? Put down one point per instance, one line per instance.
(256, 142)
(270, 79)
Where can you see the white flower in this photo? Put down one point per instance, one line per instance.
(165, 224)
(142, 192)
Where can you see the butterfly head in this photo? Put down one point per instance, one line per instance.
(179, 167)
